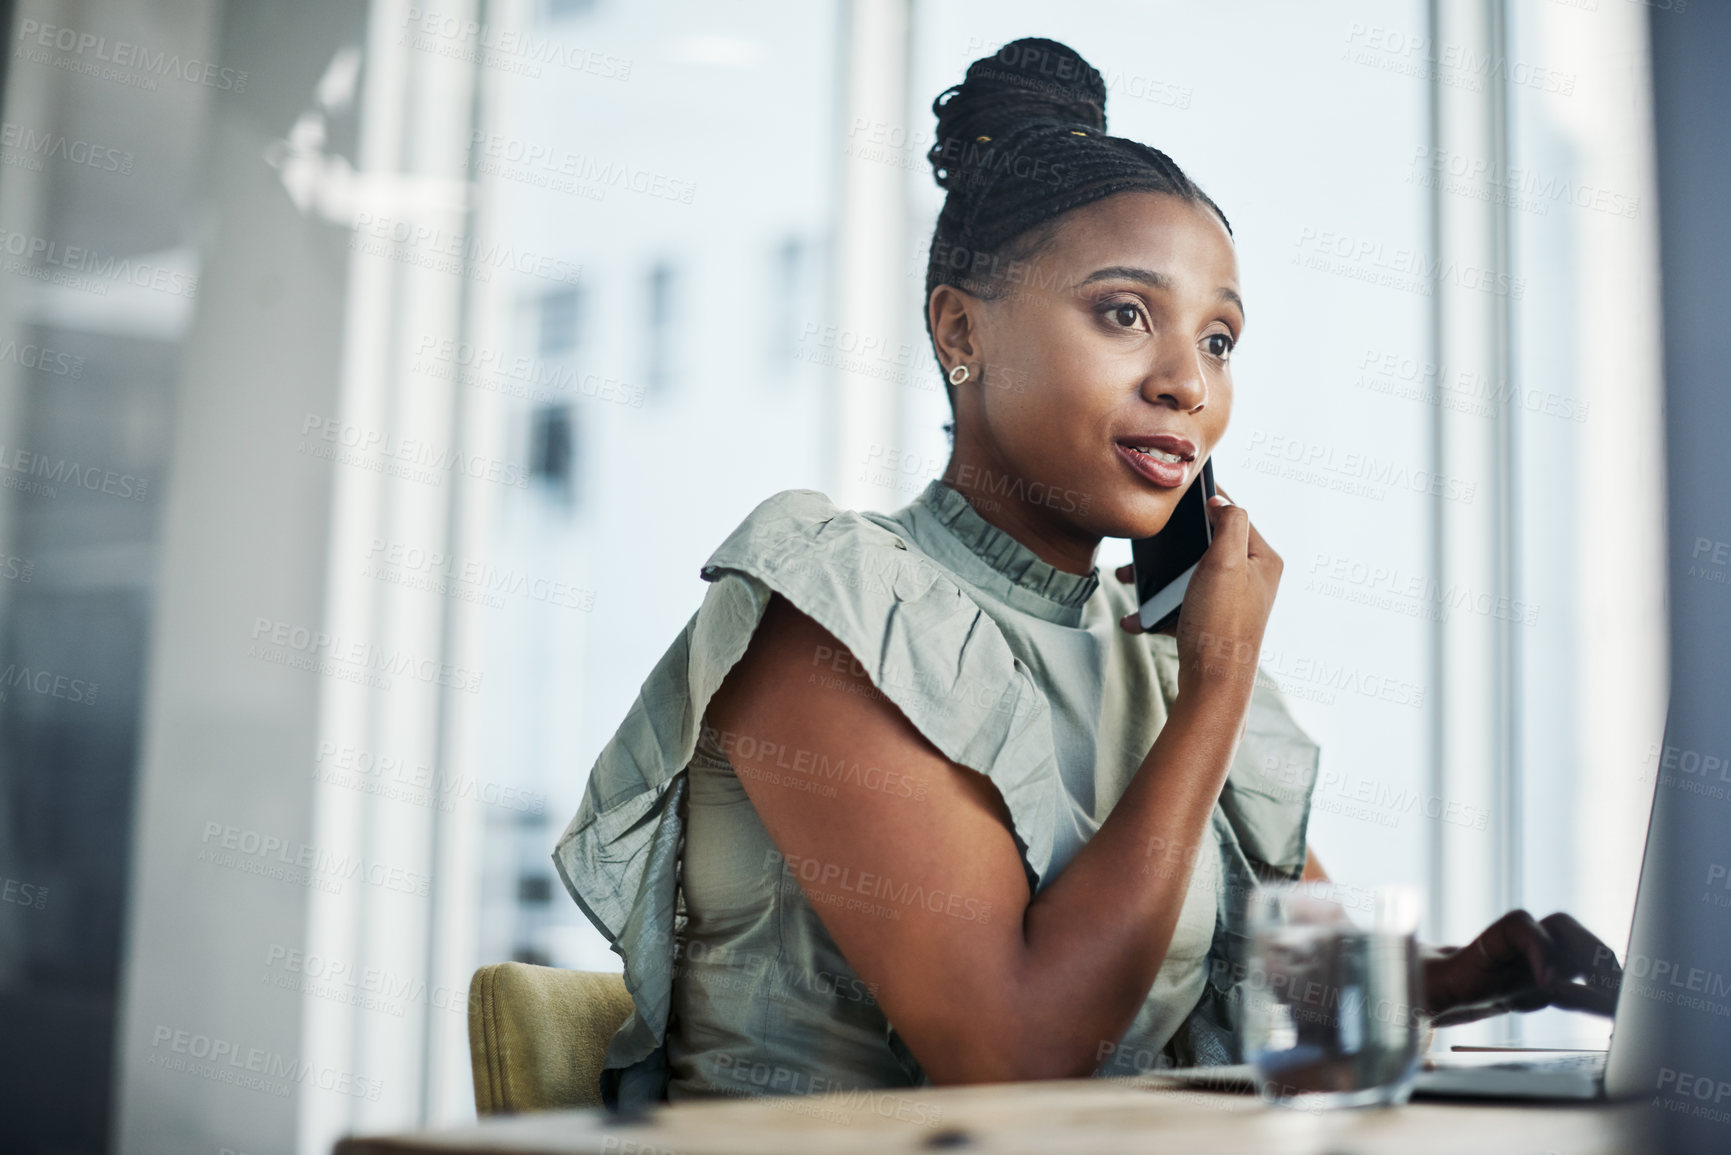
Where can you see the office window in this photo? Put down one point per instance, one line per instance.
(658, 372)
(787, 277)
(557, 321)
(563, 9)
(550, 446)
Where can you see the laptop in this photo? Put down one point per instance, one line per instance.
(1466, 1073)
(1527, 1073)
(1552, 1073)
(1513, 1073)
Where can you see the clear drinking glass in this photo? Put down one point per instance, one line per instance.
(1332, 1012)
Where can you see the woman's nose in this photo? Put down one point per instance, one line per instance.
(1176, 379)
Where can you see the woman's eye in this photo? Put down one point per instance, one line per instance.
(1125, 315)
(1219, 345)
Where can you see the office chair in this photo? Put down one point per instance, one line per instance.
(538, 1035)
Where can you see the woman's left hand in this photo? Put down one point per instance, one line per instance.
(1521, 964)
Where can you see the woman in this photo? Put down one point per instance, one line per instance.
(911, 799)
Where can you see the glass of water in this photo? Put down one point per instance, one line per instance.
(1332, 1014)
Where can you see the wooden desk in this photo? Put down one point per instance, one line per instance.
(1145, 1115)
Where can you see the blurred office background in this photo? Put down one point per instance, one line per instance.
(374, 379)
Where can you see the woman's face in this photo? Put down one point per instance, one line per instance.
(1114, 341)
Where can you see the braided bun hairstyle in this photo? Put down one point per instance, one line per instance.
(1021, 141)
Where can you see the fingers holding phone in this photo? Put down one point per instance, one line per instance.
(1167, 618)
(1131, 623)
(1208, 579)
(1226, 608)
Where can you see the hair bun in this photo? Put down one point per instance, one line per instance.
(1031, 80)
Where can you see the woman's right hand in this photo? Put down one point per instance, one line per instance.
(1226, 606)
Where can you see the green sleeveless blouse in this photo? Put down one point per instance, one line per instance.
(1009, 666)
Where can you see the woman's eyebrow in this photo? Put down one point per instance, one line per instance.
(1153, 280)
(1234, 298)
(1126, 273)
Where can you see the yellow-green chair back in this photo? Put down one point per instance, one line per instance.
(538, 1035)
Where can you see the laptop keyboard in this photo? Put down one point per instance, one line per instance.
(1588, 1062)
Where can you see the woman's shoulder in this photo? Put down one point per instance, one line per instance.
(806, 525)
(925, 644)
(804, 546)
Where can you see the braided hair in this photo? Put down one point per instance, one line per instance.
(1021, 141)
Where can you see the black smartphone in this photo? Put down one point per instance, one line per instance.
(1165, 561)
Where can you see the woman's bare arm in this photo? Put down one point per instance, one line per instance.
(924, 891)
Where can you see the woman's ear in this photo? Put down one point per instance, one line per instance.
(954, 317)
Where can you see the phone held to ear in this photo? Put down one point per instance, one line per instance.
(1165, 561)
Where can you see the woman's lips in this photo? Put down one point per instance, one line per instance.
(1168, 474)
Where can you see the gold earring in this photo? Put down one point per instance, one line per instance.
(958, 374)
